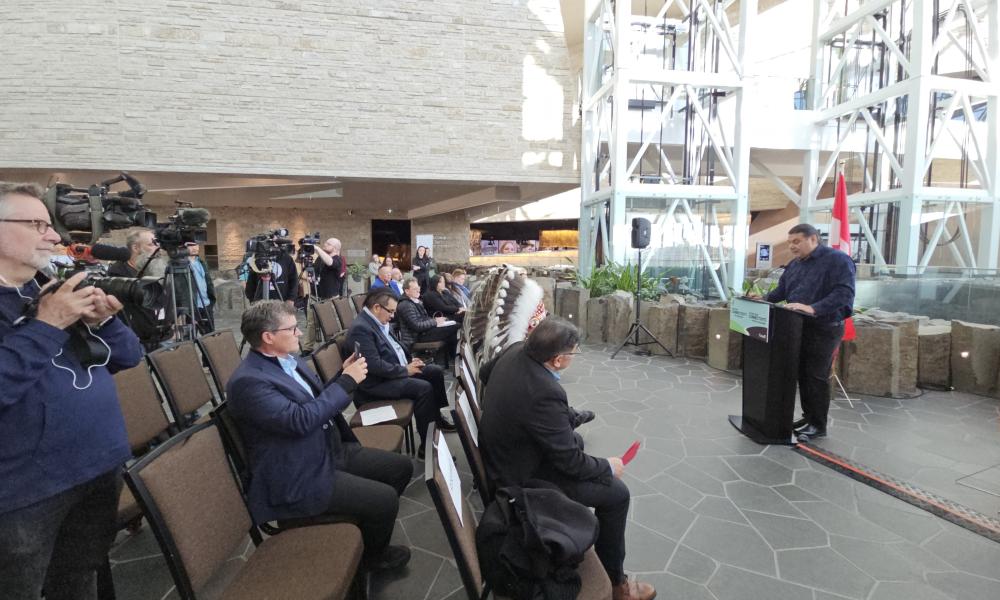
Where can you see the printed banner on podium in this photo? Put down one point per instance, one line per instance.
(750, 318)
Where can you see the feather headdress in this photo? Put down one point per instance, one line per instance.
(505, 307)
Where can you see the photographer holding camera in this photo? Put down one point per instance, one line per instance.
(149, 323)
(62, 431)
(324, 281)
(331, 270)
(269, 262)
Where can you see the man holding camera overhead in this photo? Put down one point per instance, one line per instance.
(330, 269)
(62, 435)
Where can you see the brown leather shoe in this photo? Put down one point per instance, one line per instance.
(631, 589)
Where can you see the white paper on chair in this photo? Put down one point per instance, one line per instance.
(450, 474)
(446, 323)
(463, 405)
(469, 380)
(374, 416)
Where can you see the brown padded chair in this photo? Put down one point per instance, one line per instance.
(462, 536)
(327, 319)
(327, 362)
(145, 421)
(345, 312)
(404, 419)
(223, 356)
(468, 434)
(200, 520)
(178, 369)
(359, 302)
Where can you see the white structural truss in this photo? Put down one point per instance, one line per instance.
(902, 97)
(679, 155)
(902, 89)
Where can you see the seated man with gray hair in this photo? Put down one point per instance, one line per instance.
(304, 459)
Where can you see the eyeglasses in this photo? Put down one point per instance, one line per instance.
(39, 225)
(293, 329)
(390, 311)
(572, 353)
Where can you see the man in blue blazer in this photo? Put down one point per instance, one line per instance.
(385, 280)
(392, 374)
(303, 458)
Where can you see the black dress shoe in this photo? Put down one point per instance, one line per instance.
(583, 416)
(809, 432)
(393, 557)
(800, 423)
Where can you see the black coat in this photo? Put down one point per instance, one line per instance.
(527, 427)
(424, 273)
(413, 320)
(441, 302)
(284, 280)
(383, 364)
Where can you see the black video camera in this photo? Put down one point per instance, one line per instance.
(84, 214)
(185, 226)
(307, 245)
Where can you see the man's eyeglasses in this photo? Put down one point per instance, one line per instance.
(293, 329)
(391, 311)
(572, 353)
(39, 225)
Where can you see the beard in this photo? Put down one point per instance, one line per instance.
(154, 267)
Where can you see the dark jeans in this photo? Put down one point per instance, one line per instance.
(426, 389)
(815, 360)
(610, 504)
(448, 335)
(59, 542)
(367, 486)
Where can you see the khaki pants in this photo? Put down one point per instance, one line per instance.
(311, 336)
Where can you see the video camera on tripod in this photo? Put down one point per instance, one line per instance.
(307, 253)
(262, 250)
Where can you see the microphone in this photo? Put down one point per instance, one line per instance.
(194, 217)
(98, 252)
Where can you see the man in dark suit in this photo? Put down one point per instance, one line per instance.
(392, 374)
(527, 433)
(304, 460)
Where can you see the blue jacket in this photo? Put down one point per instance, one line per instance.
(823, 280)
(392, 286)
(383, 364)
(292, 439)
(54, 437)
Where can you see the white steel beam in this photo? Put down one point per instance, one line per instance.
(847, 21)
(989, 229)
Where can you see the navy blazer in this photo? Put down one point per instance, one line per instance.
(392, 286)
(289, 437)
(383, 364)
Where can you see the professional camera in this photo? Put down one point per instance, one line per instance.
(84, 214)
(139, 292)
(307, 245)
(263, 249)
(186, 225)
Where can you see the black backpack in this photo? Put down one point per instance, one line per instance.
(530, 542)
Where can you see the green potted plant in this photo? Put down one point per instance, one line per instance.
(357, 271)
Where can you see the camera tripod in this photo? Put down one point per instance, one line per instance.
(632, 337)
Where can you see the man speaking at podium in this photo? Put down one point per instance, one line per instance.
(818, 282)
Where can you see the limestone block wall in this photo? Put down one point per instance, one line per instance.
(456, 89)
(451, 236)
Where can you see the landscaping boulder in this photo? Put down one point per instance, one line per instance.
(571, 304)
(934, 360)
(975, 357)
(882, 360)
(661, 320)
(692, 327)
(229, 299)
(621, 313)
(725, 347)
(595, 319)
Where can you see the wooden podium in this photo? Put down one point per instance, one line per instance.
(770, 377)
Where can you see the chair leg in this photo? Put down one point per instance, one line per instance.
(105, 581)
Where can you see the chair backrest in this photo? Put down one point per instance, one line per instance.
(470, 360)
(340, 340)
(223, 356)
(468, 434)
(326, 317)
(461, 532)
(359, 302)
(232, 440)
(469, 386)
(178, 368)
(344, 311)
(187, 491)
(141, 407)
(327, 360)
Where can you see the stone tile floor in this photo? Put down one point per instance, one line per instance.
(714, 515)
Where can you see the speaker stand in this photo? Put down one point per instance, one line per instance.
(632, 337)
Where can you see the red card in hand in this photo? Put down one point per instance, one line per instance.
(630, 453)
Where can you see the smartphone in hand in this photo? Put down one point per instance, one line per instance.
(357, 349)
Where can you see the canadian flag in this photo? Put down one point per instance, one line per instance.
(840, 237)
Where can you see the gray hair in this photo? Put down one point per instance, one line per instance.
(261, 316)
(552, 337)
(408, 282)
(24, 189)
(132, 239)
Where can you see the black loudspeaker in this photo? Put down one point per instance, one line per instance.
(640, 232)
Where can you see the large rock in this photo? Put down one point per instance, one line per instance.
(571, 304)
(725, 347)
(595, 319)
(882, 360)
(692, 330)
(934, 360)
(975, 356)
(229, 299)
(621, 313)
(661, 320)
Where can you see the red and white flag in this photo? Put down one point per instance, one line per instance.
(840, 237)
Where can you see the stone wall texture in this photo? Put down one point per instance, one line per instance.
(454, 90)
